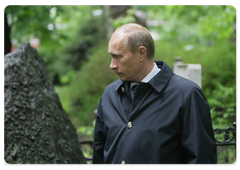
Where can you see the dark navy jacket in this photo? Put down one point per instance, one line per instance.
(168, 121)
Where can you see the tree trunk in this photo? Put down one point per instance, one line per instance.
(7, 41)
(37, 129)
(108, 21)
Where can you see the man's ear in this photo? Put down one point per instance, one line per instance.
(142, 53)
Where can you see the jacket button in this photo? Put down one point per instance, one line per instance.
(123, 89)
(129, 125)
(123, 162)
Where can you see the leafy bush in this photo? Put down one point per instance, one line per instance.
(80, 97)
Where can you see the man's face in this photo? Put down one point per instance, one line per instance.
(125, 63)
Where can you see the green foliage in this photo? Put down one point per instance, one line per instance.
(224, 97)
(218, 24)
(60, 30)
(193, 24)
(129, 18)
(21, 28)
(87, 130)
(226, 155)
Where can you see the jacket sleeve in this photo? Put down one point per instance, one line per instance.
(197, 139)
(99, 138)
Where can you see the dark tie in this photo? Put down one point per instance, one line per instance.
(134, 89)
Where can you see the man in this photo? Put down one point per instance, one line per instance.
(165, 119)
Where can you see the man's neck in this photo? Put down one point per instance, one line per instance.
(152, 71)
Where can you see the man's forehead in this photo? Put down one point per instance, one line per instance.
(118, 37)
(116, 43)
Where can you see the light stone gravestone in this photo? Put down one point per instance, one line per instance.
(189, 71)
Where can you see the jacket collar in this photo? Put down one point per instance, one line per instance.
(158, 82)
(162, 78)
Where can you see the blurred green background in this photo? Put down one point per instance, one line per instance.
(73, 41)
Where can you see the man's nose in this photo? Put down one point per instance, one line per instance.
(113, 64)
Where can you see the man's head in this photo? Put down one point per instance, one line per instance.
(132, 51)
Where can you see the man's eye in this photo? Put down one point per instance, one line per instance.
(117, 56)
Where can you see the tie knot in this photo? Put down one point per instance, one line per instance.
(134, 88)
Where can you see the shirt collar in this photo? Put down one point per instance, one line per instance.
(154, 72)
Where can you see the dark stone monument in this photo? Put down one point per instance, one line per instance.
(36, 128)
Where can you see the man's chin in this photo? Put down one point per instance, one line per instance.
(122, 78)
